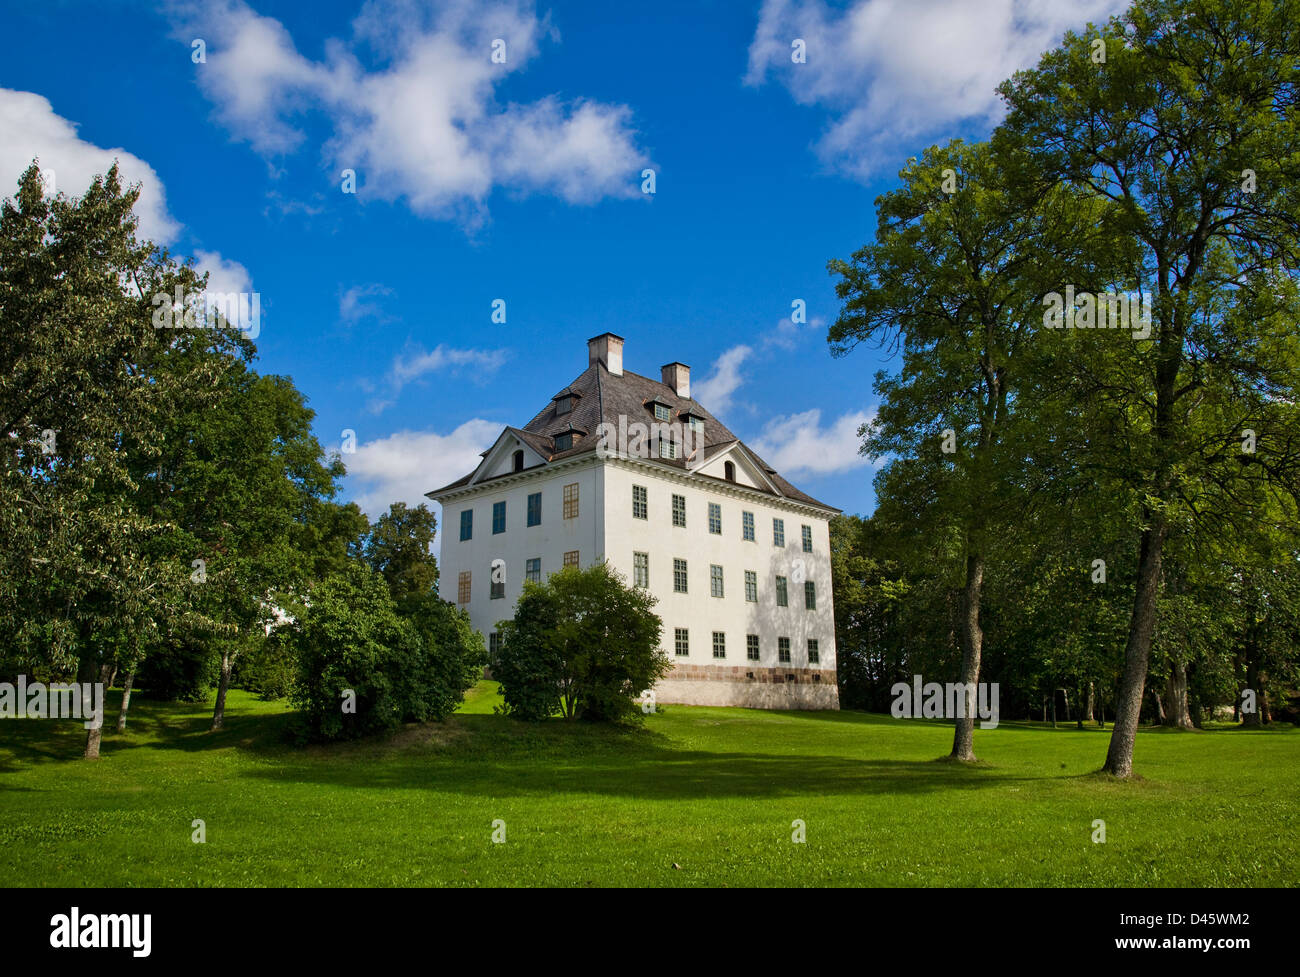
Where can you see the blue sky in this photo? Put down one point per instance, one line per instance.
(521, 181)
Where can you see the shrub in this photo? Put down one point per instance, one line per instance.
(584, 644)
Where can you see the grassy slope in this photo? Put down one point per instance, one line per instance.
(713, 790)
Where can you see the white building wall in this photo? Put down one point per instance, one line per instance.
(605, 528)
(549, 541)
(702, 614)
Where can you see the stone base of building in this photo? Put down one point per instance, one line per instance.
(750, 687)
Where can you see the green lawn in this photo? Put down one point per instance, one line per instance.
(713, 791)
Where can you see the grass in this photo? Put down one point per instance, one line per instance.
(699, 796)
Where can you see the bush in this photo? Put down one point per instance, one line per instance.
(583, 644)
(397, 669)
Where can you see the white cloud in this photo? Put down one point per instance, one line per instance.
(353, 304)
(907, 71)
(415, 362)
(224, 276)
(421, 123)
(798, 444)
(30, 128)
(405, 465)
(716, 390)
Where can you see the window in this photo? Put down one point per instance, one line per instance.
(517, 464)
(462, 587)
(679, 510)
(662, 413)
(782, 598)
(783, 650)
(814, 656)
(667, 447)
(751, 647)
(466, 524)
(810, 595)
(807, 539)
(563, 405)
(681, 642)
(571, 501)
(729, 471)
(715, 519)
(778, 532)
(496, 588)
(641, 569)
(719, 645)
(751, 586)
(747, 526)
(679, 576)
(533, 569)
(535, 509)
(571, 558)
(498, 518)
(640, 508)
(494, 646)
(563, 442)
(696, 424)
(715, 580)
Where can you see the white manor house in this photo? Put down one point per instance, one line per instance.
(624, 468)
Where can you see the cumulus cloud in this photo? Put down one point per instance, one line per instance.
(716, 390)
(411, 104)
(416, 362)
(30, 129)
(798, 444)
(405, 465)
(906, 71)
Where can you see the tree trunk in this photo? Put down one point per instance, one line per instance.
(126, 700)
(93, 736)
(219, 712)
(1137, 654)
(1252, 718)
(1090, 705)
(1160, 708)
(1175, 710)
(972, 644)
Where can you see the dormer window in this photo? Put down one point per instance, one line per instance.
(564, 405)
(563, 442)
(662, 413)
(667, 448)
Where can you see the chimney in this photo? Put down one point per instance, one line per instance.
(678, 376)
(607, 349)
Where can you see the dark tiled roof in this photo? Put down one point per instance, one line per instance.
(603, 397)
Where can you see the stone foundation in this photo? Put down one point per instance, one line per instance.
(751, 686)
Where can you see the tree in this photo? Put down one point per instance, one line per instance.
(964, 249)
(582, 643)
(365, 669)
(400, 549)
(1189, 127)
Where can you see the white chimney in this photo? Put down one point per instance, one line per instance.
(678, 376)
(607, 349)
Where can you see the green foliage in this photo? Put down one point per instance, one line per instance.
(582, 643)
(365, 669)
(400, 548)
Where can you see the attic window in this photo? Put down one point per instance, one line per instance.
(564, 405)
(662, 413)
(563, 442)
(729, 469)
(696, 423)
(518, 462)
(667, 448)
